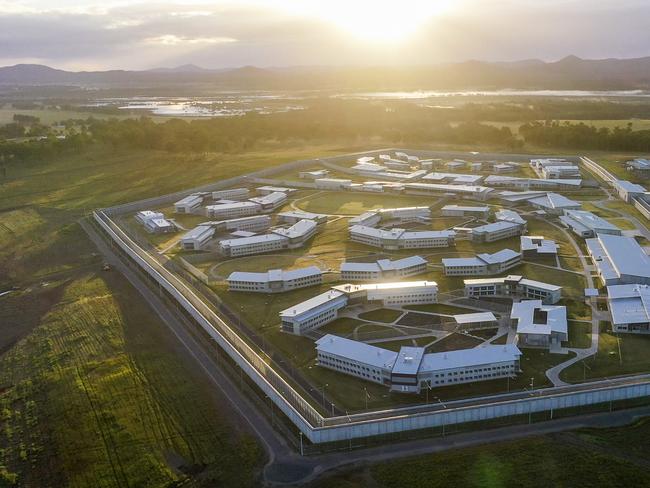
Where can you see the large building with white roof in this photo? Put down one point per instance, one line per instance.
(383, 269)
(298, 233)
(554, 203)
(255, 223)
(405, 214)
(507, 215)
(558, 172)
(539, 325)
(314, 174)
(197, 238)
(231, 194)
(453, 178)
(619, 260)
(464, 210)
(268, 189)
(395, 239)
(293, 216)
(247, 246)
(322, 309)
(474, 192)
(411, 369)
(274, 280)
(145, 215)
(586, 224)
(536, 246)
(188, 204)
(495, 231)
(332, 184)
(513, 286)
(627, 190)
(499, 181)
(159, 226)
(629, 306)
(366, 219)
(270, 201)
(482, 264)
(232, 210)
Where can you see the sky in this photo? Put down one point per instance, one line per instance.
(137, 34)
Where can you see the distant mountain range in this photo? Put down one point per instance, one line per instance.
(570, 73)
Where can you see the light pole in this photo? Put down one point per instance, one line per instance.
(332, 408)
(325, 385)
(443, 415)
(366, 396)
(301, 448)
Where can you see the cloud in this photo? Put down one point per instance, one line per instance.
(140, 35)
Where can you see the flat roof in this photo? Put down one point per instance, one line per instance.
(301, 214)
(482, 259)
(512, 278)
(456, 177)
(274, 275)
(554, 200)
(228, 206)
(629, 186)
(244, 241)
(190, 199)
(538, 243)
(462, 358)
(275, 197)
(312, 303)
(408, 360)
(396, 285)
(299, 229)
(357, 351)
(466, 208)
(524, 312)
(629, 304)
(623, 256)
(384, 264)
(471, 318)
(583, 219)
(448, 188)
(198, 232)
(496, 226)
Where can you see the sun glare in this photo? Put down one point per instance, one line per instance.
(371, 20)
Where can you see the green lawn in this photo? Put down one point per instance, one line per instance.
(355, 204)
(453, 342)
(618, 354)
(381, 315)
(537, 462)
(579, 334)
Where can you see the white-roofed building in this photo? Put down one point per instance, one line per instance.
(504, 168)
(557, 172)
(188, 204)
(313, 313)
(231, 194)
(499, 181)
(539, 325)
(619, 260)
(232, 210)
(476, 320)
(454, 165)
(197, 238)
(247, 246)
(395, 239)
(513, 286)
(367, 219)
(270, 201)
(629, 306)
(482, 264)
(470, 191)
(274, 280)
(411, 369)
(313, 175)
(332, 184)
(553, 203)
(586, 224)
(536, 246)
(464, 210)
(267, 190)
(495, 231)
(145, 215)
(255, 223)
(405, 214)
(293, 216)
(627, 190)
(506, 215)
(369, 168)
(383, 269)
(159, 226)
(298, 233)
(639, 164)
(453, 178)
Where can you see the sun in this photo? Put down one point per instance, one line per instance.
(370, 20)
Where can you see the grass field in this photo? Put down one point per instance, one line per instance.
(381, 315)
(454, 341)
(98, 394)
(618, 354)
(582, 458)
(579, 334)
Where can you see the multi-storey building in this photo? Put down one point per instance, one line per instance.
(513, 286)
(383, 269)
(482, 264)
(274, 280)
